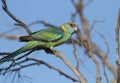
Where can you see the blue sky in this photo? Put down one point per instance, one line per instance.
(58, 12)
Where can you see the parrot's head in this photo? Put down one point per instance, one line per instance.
(69, 27)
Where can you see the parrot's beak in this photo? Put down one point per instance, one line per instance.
(75, 28)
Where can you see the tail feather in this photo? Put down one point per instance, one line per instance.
(23, 49)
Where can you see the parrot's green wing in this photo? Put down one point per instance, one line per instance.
(50, 34)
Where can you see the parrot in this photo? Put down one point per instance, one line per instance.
(45, 38)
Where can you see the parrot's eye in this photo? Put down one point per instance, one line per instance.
(72, 25)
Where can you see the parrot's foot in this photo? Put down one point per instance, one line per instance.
(49, 50)
(52, 49)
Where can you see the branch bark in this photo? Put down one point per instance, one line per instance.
(117, 47)
(74, 70)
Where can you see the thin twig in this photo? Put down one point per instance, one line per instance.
(105, 74)
(102, 56)
(73, 16)
(94, 22)
(42, 22)
(7, 69)
(11, 37)
(76, 57)
(87, 3)
(73, 2)
(106, 43)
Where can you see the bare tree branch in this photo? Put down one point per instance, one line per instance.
(87, 42)
(49, 66)
(20, 23)
(74, 70)
(117, 47)
(20, 65)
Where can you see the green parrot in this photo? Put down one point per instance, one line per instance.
(46, 38)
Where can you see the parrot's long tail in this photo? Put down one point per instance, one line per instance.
(29, 46)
